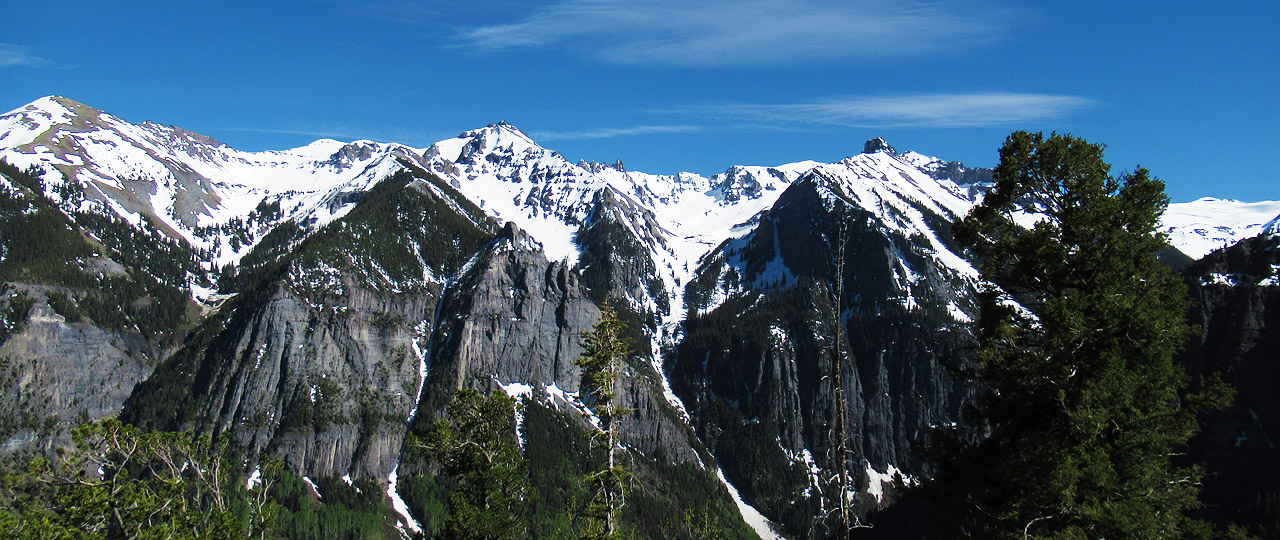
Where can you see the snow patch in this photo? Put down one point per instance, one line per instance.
(398, 503)
(418, 331)
(958, 314)
(517, 391)
(1230, 280)
(877, 480)
(255, 479)
(1197, 228)
(753, 517)
(313, 487)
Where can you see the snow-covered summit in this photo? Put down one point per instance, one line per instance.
(1199, 227)
(193, 186)
(189, 185)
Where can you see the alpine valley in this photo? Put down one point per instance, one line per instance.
(322, 305)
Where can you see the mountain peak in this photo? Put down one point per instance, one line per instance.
(878, 145)
(1272, 228)
(57, 109)
(503, 125)
(596, 166)
(55, 103)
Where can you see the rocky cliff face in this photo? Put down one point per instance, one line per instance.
(514, 318)
(324, 385)
(757, 368)
(56, 373)
(511, 317)
(339, 345)
(1236, 293)
(363, 291)
(319, 358)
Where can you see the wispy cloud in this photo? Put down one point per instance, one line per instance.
(22, 56)
(918, 110)
(746, 32)
(610, 133)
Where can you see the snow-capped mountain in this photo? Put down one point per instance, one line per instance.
(1272, 227)
(1199, 227)
(479, 260)
(202, 191)
(187, 184)
(678, 218)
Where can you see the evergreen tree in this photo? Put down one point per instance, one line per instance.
(116, 482)
(1083, 400)
(604, 349)
(474, 446)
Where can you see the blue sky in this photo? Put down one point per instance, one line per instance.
(1186, 89)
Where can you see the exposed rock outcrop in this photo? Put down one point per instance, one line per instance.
(55, 374)
(756, 370)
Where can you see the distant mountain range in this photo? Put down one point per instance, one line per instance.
(381, 277)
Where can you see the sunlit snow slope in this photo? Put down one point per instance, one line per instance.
(188, 183)
(1199, 227)
(195, 188)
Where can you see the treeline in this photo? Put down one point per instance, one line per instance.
(486, 487)
(101, 269)
(404, 218)
(117, 482)
(242, 231)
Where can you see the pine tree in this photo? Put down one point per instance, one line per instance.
(604, 349)
(1083, 400)
(474, 446)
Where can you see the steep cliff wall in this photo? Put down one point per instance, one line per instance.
(756, 369)
(56, 373)
(1236, 308)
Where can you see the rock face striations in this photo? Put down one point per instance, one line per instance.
(321, 304)
(772, 311)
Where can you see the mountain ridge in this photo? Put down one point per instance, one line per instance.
(478, 260)
(217, 183)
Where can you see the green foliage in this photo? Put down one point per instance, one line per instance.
(559, 453)
(342, 512)
(321, 410)
(608, 247)
(39, 244)
(242, 231)
(119, 483)
(166, 260)
(37, 241)
(264, 260)
(13, 314)
(668, 500)
(64, 306)
(418, 219)
(1083, 398)
(604, 350)
(611, 255)
(475, 449)
(427, 497)
(735, 339)
(415, 226)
